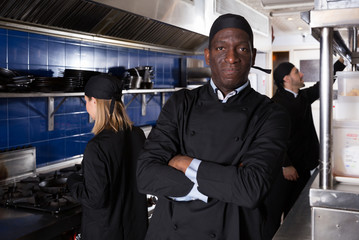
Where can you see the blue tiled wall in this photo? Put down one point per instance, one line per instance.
(23, 121)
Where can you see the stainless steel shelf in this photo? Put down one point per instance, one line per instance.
(344, 17)
(52, 110)
(344, 22)
(38, 94)
(79, 94)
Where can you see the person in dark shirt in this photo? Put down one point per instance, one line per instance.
(214, 152)
(303, 149)
(112, 207)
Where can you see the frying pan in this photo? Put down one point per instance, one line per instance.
(55, 185)
(7, 73)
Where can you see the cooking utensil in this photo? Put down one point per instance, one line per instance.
(54, 185)
(3, 88)
(136, 80)
(7, 73)
(146, 85)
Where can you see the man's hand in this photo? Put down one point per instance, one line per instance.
(290, 173)
(341, 59)
(180, 162)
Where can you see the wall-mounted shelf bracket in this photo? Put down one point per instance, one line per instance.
(51, 112)
(143, 93)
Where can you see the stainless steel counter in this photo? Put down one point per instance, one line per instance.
(297, 224)
(323, 214)
(335, 211)
(19, 224)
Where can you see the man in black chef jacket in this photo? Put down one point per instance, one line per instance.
(303, 149)
(215, 149)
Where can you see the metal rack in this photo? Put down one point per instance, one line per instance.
(334, 207)
(52, 109)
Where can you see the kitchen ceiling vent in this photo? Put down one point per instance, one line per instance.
(258, 21)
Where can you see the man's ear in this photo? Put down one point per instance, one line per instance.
(254, 54)
(286, 78)
(206, 56)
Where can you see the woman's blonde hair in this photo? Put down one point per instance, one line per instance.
(116, 121)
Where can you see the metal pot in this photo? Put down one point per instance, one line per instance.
(146, 85)
(55, 185)
(136, 82)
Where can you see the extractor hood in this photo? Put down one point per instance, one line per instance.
(195, 16)
(176, 25)
(98, 19)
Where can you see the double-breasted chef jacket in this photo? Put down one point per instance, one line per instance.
(241, 144)
(303, 147)
(112, 207)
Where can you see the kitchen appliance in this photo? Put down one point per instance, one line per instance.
(36, 205)
(22, 187)
(44, 192)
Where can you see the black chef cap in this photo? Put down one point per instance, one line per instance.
(281, 71)
(104, 86)
(230, 21)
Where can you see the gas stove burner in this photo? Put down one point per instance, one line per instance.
(58, 202)
(46, 192)
(13, 192)
(61, 202)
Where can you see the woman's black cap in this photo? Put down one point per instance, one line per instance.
(230, 21)
(104, 86)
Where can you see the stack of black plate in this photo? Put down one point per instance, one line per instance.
(81, 75)
(55, 84)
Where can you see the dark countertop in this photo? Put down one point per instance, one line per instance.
(21, 224)
(297, 225)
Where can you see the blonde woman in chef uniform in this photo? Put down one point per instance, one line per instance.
(112, 207)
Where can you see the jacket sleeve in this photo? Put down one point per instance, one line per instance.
(338, 66)
(154, 176)
(313, 92)
(92, 189)
(137, 140)
(247, 184)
